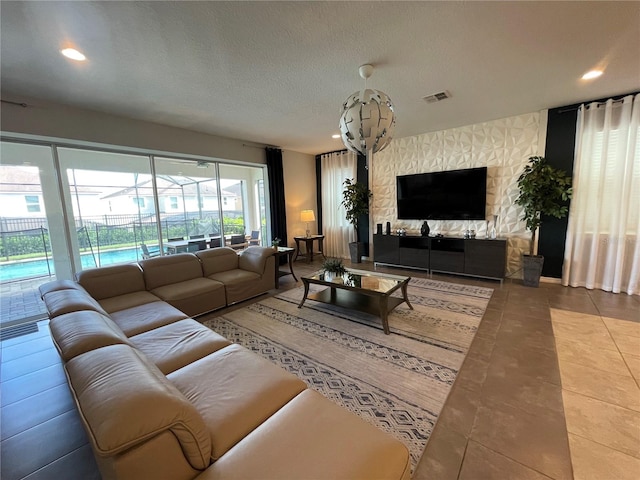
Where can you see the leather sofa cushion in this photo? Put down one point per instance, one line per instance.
(254, 259)
(125, 400)
(142, 318)
(194, 297)
(111, 281)
(60, 302)
(128, 300)
(216, 260)
(235, 390)
(178, 344)
(159, 271)
(311, 437)
(79, 332)
(233, 277)
(241, 284)
(57, 285)
(186, 289)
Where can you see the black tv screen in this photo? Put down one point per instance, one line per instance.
(450, 195)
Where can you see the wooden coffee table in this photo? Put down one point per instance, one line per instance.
(359, 290)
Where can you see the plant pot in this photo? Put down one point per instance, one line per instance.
(355, 250)
(532, 269)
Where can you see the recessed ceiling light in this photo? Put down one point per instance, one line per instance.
(73, 54)
(335, 135)
(592, 74)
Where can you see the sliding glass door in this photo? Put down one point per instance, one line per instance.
(189, 207)
(32, 246)
(111, 206)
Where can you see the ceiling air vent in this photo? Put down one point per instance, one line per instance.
(437, 97)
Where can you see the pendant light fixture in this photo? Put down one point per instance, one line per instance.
(368, 120)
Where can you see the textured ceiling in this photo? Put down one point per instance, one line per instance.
(278, 72)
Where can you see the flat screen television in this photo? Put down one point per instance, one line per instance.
(450, 195)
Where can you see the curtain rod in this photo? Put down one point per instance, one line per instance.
(344, 150)
(616, 99)
(261, 147)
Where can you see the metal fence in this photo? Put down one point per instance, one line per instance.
(29, 237)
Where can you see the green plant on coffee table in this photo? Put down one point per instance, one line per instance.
(334, 265)
(275, 242)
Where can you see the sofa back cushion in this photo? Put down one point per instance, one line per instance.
(59, 302)
(254, 259)
(125, 400)
(79, 332)
(160, 271)
(217, 260)
(111, 281)
(56, 285)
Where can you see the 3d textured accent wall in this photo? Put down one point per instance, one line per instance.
(503, 146)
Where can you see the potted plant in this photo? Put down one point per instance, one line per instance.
(334, 265)
(544, 190)
(355, 199)
(335, 269)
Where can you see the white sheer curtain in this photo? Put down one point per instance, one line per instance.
(336, 167)
(602, 248)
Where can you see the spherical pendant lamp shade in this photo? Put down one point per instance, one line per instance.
(367, 122)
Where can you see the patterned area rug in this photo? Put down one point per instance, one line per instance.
(398, 382)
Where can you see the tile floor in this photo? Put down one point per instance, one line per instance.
(549, 390)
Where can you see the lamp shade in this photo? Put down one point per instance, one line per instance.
(367, 122)
(307, 216)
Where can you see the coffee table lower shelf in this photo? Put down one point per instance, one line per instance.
(378, 305)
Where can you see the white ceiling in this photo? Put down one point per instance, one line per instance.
(277, 72)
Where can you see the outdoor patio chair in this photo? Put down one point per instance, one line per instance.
(255, 237)
(237, 242)
(146, 253)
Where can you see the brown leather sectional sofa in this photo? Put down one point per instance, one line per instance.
(163, 397)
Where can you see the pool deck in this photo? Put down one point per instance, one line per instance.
(20, 300)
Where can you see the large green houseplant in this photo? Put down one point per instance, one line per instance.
(544, 190)
(355, 199)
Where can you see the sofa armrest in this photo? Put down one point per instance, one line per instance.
(254, 259)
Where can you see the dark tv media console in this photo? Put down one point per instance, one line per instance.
(474, 257)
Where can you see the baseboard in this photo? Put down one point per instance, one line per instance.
(557, 281)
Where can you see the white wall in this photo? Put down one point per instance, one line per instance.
(503, 146)
(48, 119)
(300, 191)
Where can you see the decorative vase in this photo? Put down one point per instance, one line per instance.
(388, 228)
(424, 230)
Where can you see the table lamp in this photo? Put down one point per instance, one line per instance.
(307, 216)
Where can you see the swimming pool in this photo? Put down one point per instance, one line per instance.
(38, 268)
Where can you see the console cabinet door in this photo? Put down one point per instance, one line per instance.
(386, 249)
(447, 255)
(485, 258)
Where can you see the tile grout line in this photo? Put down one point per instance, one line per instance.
(35, 393)
(54, 461)
(73, 408)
